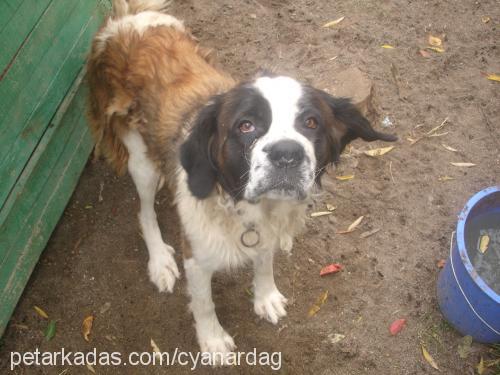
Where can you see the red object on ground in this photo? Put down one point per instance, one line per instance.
(397, 326)
(331, 268)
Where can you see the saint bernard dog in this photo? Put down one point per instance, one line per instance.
(242, 158)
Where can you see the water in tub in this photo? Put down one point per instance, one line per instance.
(483, 246)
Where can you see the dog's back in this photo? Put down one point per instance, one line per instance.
(146, 72)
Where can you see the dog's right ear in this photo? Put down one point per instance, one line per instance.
(195, 152)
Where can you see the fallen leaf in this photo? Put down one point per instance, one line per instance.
(449, 148)
(369, 233)
(387, 46)
(435, 41)
(428, 358)
(50, 331)
(88, 206)
(445, 178)
(424, 53)
(396, 326)
(335, 337)
(90, 368)
(345, 178)
(378, 151)
(493, 77)
(331, 268)
(466, 165)
(105, 308)
(317, 306)
(441, 263)
(492, 363)
(465, 347)
(353, 226)
(480, 367)
(156, 349)
(320, 213)
(485, 19)
(87, 327)
(334, 22)
(249, 292)
(483, 243)
(40, 312)
(436, 49)
(330, 207)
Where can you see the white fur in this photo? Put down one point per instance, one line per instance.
(139, 22)
(162, 266)
(214, 227)
(283, 95)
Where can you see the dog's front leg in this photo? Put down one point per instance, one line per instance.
(269, 303)
(212, 338)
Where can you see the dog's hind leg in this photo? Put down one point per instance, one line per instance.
(163, 270)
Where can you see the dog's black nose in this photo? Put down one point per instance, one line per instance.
(286, 153)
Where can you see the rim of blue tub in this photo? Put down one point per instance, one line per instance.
(462, 219)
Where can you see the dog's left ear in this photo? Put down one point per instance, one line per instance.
(195, 153)
(348, 123)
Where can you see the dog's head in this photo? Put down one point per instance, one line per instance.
(272, 138)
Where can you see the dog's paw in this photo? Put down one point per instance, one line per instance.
(219, 347)
(270, 306)
(163, 269)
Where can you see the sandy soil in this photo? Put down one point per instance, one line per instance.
(95, 262)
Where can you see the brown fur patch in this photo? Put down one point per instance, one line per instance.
(156, 83)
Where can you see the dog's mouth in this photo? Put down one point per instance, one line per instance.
(280, 187)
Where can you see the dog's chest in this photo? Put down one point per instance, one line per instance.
(224, 235)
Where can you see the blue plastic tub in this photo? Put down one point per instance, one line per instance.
(465, 299)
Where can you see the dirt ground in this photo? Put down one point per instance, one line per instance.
(95, 262)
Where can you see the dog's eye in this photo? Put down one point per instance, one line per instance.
(311, 123)
(246, 127)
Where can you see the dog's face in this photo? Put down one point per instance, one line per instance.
(270, 138)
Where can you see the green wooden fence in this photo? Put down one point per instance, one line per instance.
(44, 138)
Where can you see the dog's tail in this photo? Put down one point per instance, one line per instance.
(122, 8)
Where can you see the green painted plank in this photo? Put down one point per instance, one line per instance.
(29, 98)
(7, 9)
(49, 181)
(17, 25)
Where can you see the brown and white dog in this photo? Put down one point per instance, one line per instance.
(242, 158)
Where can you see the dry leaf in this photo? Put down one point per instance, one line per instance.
(483, 243)
(345, 178)
(90, 368)
(156, 349)
(320, 213)
(317, 306)
(465, 347)
(369, 233)
(40, 312)
(335, 337)
(435, 41)
(335, 22)
(485, 19)
(353, 226)
(331, 268)
(493, 77)
(449, 148)
(87, 327)
(378, 151)
(436, 49)
(441, 263)
(445, 178)
(466, 165)
(424, 53)
(428, 358)
(480, 367)
(387, 46)
(397, 326)
(330, 207)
